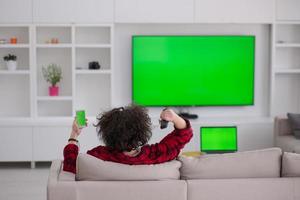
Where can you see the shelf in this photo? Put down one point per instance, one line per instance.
(16, 121)
(61, 57)
(23, 57)
(93, 34)
(15, 96)
(53, 26)
(93, 45)
(56, 108)
(94, 25)
(42, 121)
(86, 71)
(14, 45)
(286, 94)
(93, 94)
(45, 34)
(289, 45)
(286, 71)
(54, 45)
(16, 72)
(288, 35)
(287, 57)
(21, 32)
(54, 98)
(86, 55)
(283, 22)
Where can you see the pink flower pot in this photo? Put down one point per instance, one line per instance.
(53, 91)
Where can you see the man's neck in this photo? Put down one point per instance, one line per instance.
(132, 153)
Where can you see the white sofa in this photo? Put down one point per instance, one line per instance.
(197, 180)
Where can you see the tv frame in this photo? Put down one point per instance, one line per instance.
(195, 105)
(219, 151)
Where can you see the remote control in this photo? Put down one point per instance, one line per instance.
(163, 124)
(188, 115)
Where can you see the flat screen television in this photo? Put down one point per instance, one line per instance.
(193, 70)
(218, 139)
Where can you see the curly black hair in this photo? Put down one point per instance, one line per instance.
(124, 129)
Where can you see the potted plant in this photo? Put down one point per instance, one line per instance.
(11, 62)
(52, 74)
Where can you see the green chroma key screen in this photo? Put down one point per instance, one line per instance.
(218, 139)
(193, 70)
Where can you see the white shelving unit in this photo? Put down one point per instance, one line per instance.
(78, 45)
(25, 92)
(84, 71)
(54, 46)
(291, 45)
(12, 46)
(16, 72)
(61, 54)
(54, 98)
(285, 76)
(27, 111)
(287, 71)
(93, 43)
(15, 86)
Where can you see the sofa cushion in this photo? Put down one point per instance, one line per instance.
(291, 165)
(242, 189)
(130, 190)
(294, 120)
(250, 164)
(91, 168)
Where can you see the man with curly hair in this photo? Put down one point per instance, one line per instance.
(125, 133)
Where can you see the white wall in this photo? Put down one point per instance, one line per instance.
(234, 11)
(252, 135)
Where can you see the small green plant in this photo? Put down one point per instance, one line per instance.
(10, 57)
(52, 74)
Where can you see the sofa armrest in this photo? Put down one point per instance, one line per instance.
(61, 185)
(57, 174)
(54, 172)
(282, 127)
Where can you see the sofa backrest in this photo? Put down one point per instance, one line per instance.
(66, 188)
(282, 127)
(290, 164)
(90, 168)
(265, 163)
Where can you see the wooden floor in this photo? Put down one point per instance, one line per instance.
(19, 182)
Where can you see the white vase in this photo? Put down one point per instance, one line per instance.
(11, 65)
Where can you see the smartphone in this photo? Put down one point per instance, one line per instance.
(80, 118)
